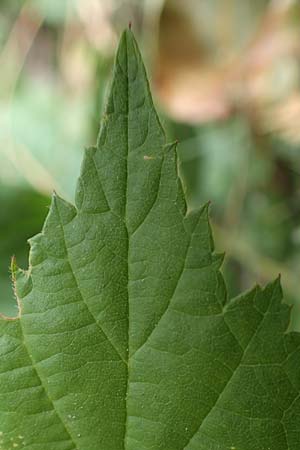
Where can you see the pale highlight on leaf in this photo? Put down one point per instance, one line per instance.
(125, 338)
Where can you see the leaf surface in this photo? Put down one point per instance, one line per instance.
(125, 338)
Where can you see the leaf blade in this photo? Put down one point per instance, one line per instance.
(125, 325)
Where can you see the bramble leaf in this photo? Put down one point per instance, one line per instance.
(125, 338)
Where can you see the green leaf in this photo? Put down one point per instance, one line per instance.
(125, 338)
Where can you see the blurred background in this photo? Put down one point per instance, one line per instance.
(225, 76)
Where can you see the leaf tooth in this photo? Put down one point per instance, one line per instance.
(218, 259)
(61, 209)
(270, 297)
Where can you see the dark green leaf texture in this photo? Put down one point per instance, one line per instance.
(125, 337)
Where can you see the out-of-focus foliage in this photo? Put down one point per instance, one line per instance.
(227, 76)
(234, 56)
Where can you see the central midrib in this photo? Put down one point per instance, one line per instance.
(127, 240)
